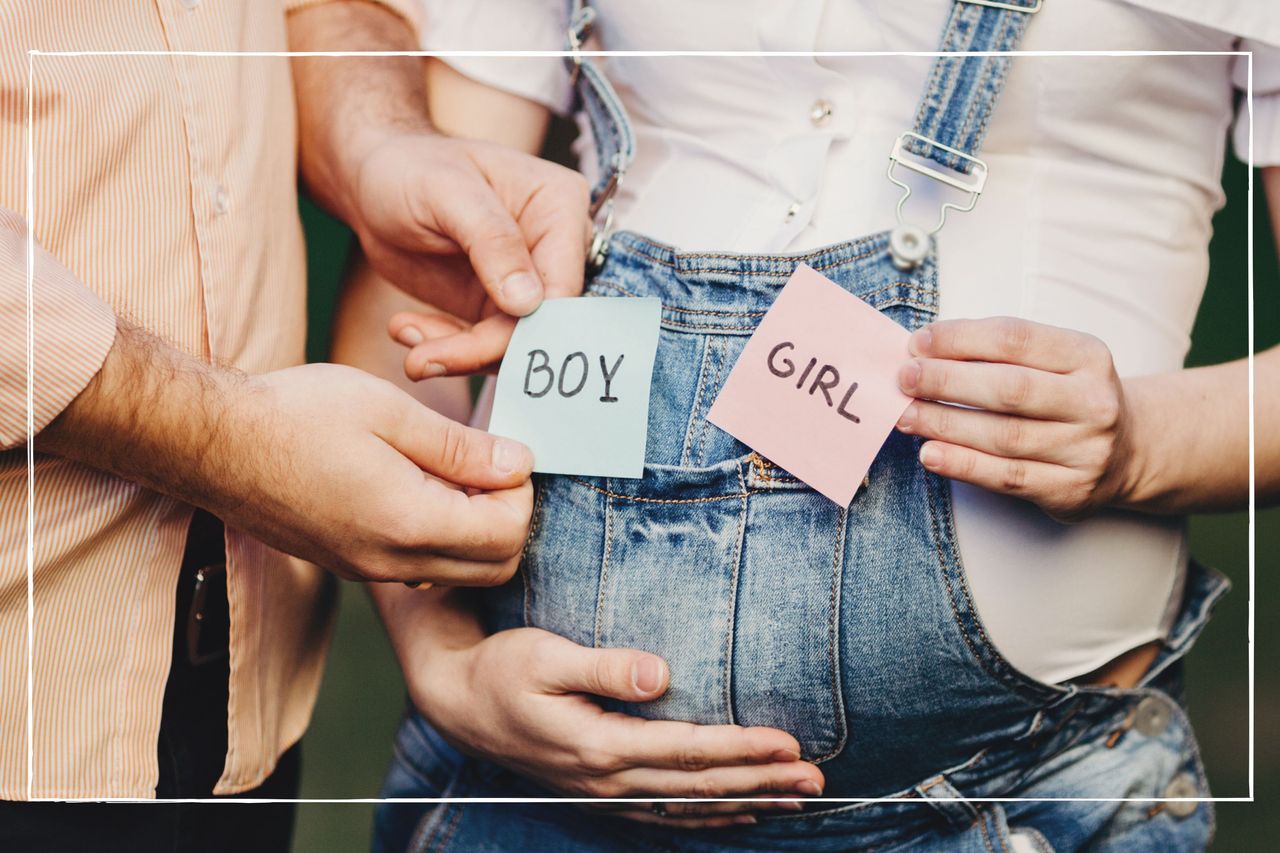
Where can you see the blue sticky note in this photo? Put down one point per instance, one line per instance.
(574, 385)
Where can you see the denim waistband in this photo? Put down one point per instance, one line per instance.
(729, 292)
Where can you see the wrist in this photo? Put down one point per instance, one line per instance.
(1138, 482)
(435, 638)
(348, 106)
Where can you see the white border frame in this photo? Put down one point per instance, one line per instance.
(30, 392)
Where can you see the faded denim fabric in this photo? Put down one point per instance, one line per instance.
(851, 628)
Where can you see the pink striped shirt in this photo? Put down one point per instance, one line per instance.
(163, 190)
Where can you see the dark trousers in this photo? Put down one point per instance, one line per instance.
(191, 750)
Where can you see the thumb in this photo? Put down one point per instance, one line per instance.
(625, 674)
(475, 218)
(454, 452)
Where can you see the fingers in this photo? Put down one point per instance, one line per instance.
(793, 777)
(555, 221)
(467, 351)
(539, 251)
(489, 527)
(454, 452)
(1008, 340)
(625, 674)
(411, 328)
(683, 746)
(475, 218)
(1000, 435)
(449, 571)
(1004, 388)
(1051, 486)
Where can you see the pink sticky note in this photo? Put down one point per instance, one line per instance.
(792, 398)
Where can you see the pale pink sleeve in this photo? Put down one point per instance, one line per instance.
(410, 10)
(73, 331)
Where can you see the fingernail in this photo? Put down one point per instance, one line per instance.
(746, 819)
(920, 341)
(930, 456)
(409, 336)
(521, 290)
(432, 369)
(785, 755)
(791, 805)
(908, 419)
(509, 456)
(646, 674)
(809, 788)
(909, 376)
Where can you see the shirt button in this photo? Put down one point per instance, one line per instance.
(792, 210)
(189, 5)
(1151, 717)
(221, 200)
(820, 112)
(1181, 786)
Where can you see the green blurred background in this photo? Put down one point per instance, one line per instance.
(348, 744)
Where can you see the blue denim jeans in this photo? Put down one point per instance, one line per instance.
(851, 628)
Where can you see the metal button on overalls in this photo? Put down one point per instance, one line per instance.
(1181, 786)
(1152, 716)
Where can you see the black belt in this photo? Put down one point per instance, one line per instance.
(202, 624)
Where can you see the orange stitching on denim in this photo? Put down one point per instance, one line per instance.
(539, 493)
(697, 404)
(762, 466)
(733, 603)
(833, 642)
(715, 385)
(715, 313)
(930, 784)
(604, 570)
(453, 827)
(640, 499)
(612, 285)
(730, 256)
(904, 285)
(707, 326)
(891, 303)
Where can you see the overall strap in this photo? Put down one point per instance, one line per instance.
(951, 120)
(614, 140)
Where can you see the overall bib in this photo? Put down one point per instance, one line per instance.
(851, 628)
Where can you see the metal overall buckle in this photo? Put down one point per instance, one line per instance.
(602, 231)
(909, 244)
(581, 23)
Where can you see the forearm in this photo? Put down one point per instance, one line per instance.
(1192, 437)
(157, 416)
(345, 104)
(425, 627)
(463, 107)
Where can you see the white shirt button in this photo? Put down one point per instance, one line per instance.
(221, 200)
(190, 5)
(792, 210)
(820, 112)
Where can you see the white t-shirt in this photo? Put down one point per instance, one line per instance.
(1104, 177)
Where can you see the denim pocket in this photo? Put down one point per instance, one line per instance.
(685, 563)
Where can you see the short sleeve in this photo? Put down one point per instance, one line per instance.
(482, 25)
(1266, 104)
(410, 10)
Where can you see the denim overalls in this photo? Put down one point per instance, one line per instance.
(851, 628)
